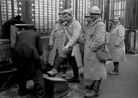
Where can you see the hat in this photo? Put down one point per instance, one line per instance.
(18, 17)
(31, 27)
(87, 15)
(70, 11)
(94, 10)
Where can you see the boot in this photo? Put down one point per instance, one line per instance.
(54, 71)
(95, 91)
(73, 63)
(90, 86)
(116, 69)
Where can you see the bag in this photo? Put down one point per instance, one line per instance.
(103, 54)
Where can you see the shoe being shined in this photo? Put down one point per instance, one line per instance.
(52, 72)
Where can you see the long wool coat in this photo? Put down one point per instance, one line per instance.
(73, 33)
(116, 43)
(57, 39)
(94, 69)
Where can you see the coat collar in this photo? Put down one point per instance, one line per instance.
(94, 22)
(72, 20)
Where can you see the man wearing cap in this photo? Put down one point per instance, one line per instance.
(116, 44)
(84, 34)
(57, 40)
(94, 69)
(71, 50)
(8, 23)
(26, 58)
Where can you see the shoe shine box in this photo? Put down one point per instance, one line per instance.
(55, 87)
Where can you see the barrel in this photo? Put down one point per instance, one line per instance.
(5, 50)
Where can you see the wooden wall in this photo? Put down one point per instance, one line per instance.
(131, 20)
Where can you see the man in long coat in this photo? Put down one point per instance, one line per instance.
(26, 58)
(71, 49)
(57, 40)
(8, 23)
(116, 44)
(94, 69)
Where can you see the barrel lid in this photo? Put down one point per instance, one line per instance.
(4, 39)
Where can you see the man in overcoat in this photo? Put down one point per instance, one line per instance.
(57, 40)
(71, 50)
(94, 69)
(116, 44)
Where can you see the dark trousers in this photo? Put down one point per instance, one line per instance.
(63, 60)
(27, 69)
(38, 84)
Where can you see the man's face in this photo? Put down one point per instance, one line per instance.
(88, 19)
(93, 17)
(61, 19)
(67, 17)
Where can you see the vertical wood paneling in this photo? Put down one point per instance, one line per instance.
(0, 16)
(44, 13)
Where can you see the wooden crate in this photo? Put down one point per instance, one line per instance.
(55, 87)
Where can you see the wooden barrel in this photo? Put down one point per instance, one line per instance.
(5, 49)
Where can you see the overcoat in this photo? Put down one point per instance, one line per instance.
(57, 39)
(94, 69)
(73, 33)
(116, 43)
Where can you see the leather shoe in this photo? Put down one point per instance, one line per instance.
(74, 80)
(91, 94)
(113, 73)
(52, 72)
(89, 87)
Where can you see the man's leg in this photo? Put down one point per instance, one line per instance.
(95, 91)
(116, 69)
(20, 63)
(39, 84)
(61, 60)
(116, 66)
(22, 88)
(73, 63)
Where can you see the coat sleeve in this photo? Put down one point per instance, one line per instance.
(75, 35)
(120, 36)
(52, 36)
(99, 37)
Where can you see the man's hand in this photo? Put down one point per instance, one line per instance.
(65, 49)
(50, 47)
